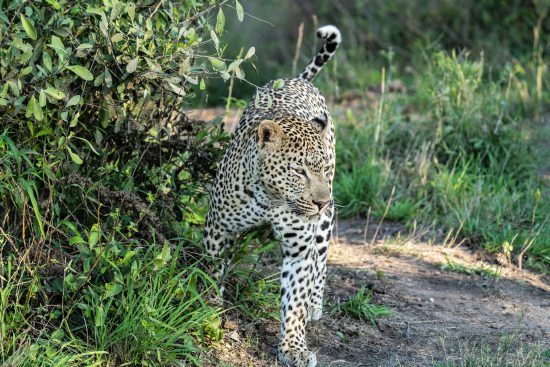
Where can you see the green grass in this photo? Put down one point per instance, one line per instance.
(253, 293)
(457, 267)
(150, 313)
(454, 152)
(361, 307)
(54, 352)
(508, 352)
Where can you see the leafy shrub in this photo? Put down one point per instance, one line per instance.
(89, 86)
(102, 177)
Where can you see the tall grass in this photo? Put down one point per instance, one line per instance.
(146, 312)
(453, 152)
(508, 351)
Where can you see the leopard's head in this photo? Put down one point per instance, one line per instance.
(293, 163)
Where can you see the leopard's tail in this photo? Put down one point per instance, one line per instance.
(332, 38)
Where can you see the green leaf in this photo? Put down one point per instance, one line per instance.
(81, 71)
(112, 289)
(239, 72)
(58, 46)
(278, 84)
(30, 107)
(177, 89)
(28, 27)
(76, 240)
(93, 238)
(42, 99)
(240, 10)
(99, 316)
(76, 159)
(25, 47)
(26, 71)
(54, 4)
(116, 9)
(225, 75)
(47, 61)
(220, 22)
(215, 39)
(37, 111)
(234, 65)
(108, 78)
(250, 53)
(162, 258)
(132, 65)
(154, 65)
(93, 10)
(56, 42)
(87, 142)
(84, 46)
(14, 88)
(217, 64)
(99, 79)
(117, 37)
(74, 100)
(34, 203)
(54, 93)
(74, 121)
(131, 10)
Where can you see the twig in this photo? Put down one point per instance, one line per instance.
(156, 8)
(529, 244)
(385, 213)
(230, 92)
(367, 226)
(298, 48)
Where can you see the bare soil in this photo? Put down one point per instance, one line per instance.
(434, 311)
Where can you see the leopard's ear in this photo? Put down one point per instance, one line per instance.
(270, 134)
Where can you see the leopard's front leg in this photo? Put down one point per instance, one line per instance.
(297, 280)
(322, 239)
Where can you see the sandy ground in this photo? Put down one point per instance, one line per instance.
(434, 311)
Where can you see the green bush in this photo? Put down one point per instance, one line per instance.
(102, 178)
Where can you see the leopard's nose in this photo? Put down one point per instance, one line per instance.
(321, 204)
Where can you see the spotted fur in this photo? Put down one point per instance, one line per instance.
(278, 170)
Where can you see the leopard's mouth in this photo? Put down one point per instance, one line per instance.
(304, 211)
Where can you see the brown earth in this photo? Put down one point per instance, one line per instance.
(434, 311)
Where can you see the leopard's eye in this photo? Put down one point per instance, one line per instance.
(300, 171)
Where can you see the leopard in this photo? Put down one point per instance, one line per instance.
(278, 171)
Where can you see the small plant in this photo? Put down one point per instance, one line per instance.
(360, 307)
(252, 292)
(480, 269)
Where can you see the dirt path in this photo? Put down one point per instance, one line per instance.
(434, 311)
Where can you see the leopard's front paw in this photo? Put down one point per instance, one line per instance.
(297, 357)
(314, 313)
